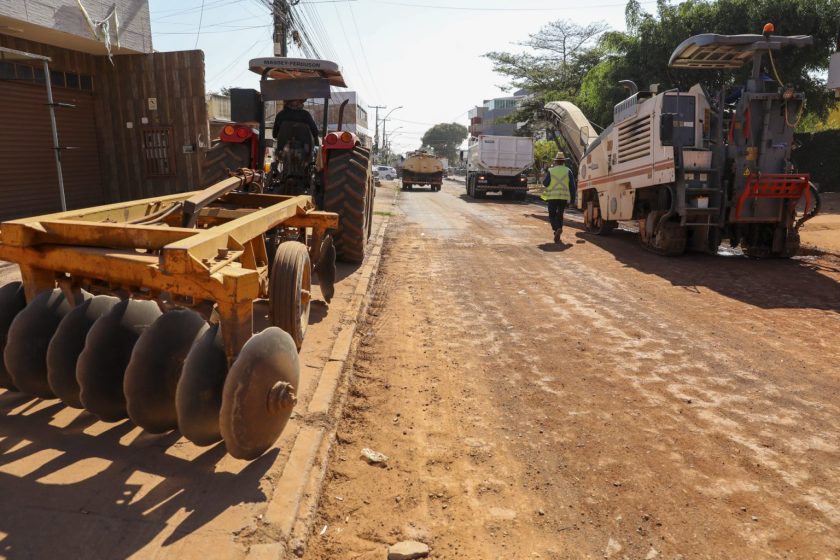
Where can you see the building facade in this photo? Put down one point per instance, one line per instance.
(354, 118)
(487, 117)
(131, 123)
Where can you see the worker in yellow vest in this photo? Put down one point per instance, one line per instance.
(560, 190)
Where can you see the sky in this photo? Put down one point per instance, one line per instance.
(424, 56)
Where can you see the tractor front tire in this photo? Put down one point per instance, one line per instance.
(348, 191)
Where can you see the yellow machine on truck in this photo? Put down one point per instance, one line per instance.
(422, 168)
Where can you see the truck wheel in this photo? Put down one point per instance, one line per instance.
(593, 221)
(346, 191)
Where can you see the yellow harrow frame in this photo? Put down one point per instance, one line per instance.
(205, 251)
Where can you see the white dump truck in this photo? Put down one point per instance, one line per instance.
(498, 164)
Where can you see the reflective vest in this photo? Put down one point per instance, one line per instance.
(558, 187)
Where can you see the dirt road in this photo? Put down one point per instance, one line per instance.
(587, 401)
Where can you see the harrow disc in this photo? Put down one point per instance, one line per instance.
(68, 342)
(12, 302)
(101, 367)
(29, 336)
(259, 393)
(198, 397)
(155, 366)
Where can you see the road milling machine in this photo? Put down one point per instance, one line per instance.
(147, 309)
(696, 167)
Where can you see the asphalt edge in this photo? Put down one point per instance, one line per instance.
(294, 502)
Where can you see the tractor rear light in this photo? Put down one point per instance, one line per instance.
(346, 137)
(242, 132)
(229, 130)
(331, 139)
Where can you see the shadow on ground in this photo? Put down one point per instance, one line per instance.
(799, 283)
(136, 489)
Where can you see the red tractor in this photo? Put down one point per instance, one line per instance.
(337, 174)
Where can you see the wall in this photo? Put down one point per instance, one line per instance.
(121, 95)
(817, 155)
(65, 16)
(175, 81)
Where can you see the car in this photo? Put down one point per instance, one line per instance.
(385, 172)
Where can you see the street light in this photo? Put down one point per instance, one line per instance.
(385, 119)
(385, 142)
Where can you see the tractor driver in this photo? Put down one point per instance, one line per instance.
(293, 111)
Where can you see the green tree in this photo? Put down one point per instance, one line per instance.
(551, 69)
(444, 139)
(587, 72)
(642, 52)
(544, 152)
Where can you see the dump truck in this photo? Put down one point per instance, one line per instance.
(498, 164)
(144, 309)
(422, 168)
(699, 166)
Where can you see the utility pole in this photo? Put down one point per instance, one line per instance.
(282, 16)
(376, 134)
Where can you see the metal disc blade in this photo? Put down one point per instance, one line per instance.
(12, 302)
(156, 362)
(198, 398)
(101, 367)
(29, 336)
(259, 393)
(67, 344)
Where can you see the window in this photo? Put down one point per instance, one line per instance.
(157, 152)
(58, 79)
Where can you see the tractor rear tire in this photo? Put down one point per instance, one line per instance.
(349, 192)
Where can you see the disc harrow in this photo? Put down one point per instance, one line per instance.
(145, 310)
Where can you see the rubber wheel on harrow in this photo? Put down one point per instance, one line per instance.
(346, 191)
(198, 397)
(152, 375)
(68, 343)
(12, 302)
(29, 337)
(290, 290)
(101, 367)
(260, 393)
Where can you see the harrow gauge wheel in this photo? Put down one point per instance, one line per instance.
(259, 393)
(29, 336)
(152, 374)
(198, 397)
(68, 343)
(290, 290)
(12, 302)
(107, 352)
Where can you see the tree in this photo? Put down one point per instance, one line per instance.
(584, 65)
(559, 55)
(544, 152)
(444, 139)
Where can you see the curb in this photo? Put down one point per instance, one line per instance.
(294, 501)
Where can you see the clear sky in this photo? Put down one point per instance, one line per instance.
(423, 55)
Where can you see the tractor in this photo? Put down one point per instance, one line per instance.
(337, 174)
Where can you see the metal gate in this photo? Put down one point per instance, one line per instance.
(28, 176)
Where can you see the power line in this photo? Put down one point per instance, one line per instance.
(474, 9)
(200, 21)
(364, 53)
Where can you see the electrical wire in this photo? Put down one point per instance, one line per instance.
(782, 84)
(200, 21)
(479, 9)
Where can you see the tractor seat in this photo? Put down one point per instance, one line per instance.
(295, 135)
